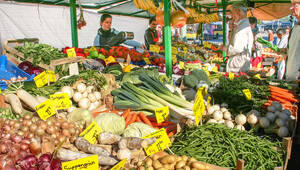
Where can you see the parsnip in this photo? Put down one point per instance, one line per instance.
(134, 142)
(83, 145)
(108, 138)
(15, 103)
(68, 155)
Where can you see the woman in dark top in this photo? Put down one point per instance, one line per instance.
(151, 36)
(106, 33)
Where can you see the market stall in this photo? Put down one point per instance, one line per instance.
(118, 108)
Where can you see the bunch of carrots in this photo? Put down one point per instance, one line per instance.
(284, 96)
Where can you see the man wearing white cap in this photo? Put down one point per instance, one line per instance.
(293, 60)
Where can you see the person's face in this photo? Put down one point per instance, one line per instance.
(235, 15)
(153, 25)
(106, 24)
(295, 9)
(252, 26)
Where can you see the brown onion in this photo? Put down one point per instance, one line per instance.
(57, 123)
(54, 136)
(27, 116)
(6, 127)
(49, 122)
(14, 150)
(12, 123)
(56, 128)
(16, 139)
(5, 135)
(72, 131)
(3, 148)
(26, 141)
(43, 125)
(66, 133)
(21, 133)
(65, 125)
(21, 119)
(33, 127)
(24, 146)
(35, 147)
(72, 139)
(25, 129)
(30, 135)
(17, 125)
(56, 142)
(50, 129)
(40, 132)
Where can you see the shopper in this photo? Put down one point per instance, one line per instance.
(293, 59)
(108, 36)
(282, 43)
(257, 47)
(240, 41)
(151, 35)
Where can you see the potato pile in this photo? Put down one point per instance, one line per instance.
(166, 162)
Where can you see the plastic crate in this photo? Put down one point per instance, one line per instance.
(9, 70)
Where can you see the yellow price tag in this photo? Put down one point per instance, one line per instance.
(259, 65)
(208, 102)
(215, 69)
(231, 76)
(87, 163)
(208, 45)
(161, 143)
(174, 51)
(206, 71)
(154, 48)
(0, 91)
(257, 76)
(147, 61)
(161, 114)
(71, 52)
(181, 64)
(199, 105)
(91, 132)
(41, 79)
(45, 109)
(120, 165)
(52, 76)
(247, 94)
(61, 101)
(185, 50)
(110, 59)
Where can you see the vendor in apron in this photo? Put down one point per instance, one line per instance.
(151, 35)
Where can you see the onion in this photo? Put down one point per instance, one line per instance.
(27, 162)
(12, 123)
(81, 87)
(27, 117)
(216, 107)
(56, 164)
(240, 127)
(3, 148)
(222, 121)
(43, 125)
(35, 146)
(49, 122)
(25, 129)
(72, 131)
(21, 133)
(227, 115)
(50, 130)
(45, 166)
(210, 110)
(6, 127)
(89, 89)
(92, 97)
(10, 167)
(27, 122)
(240, 119)
(14, 150)
(33, 127)
(65, 125)
(69, 90)
(229, 124)
(17, 125)
(44, 158)
(84, 103)
(21, 119)
(5, 136)
(223, 109)
(218, 115)
(25, 141)
(97, 95)
(252, 119)
(211, 121)
(40, 132)
(66, 133)
(71, 109)
(16, 139)
(24, 146)
(77, 96)
(61, 138)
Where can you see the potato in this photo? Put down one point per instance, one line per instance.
(155, 157)
(156, 164)
(185, 158)
(192, 160)
(168, 159)
(172, 166)
(150, 168)
(186, 167)
(148, 162)
(142, 168)
(140, 163)
(161, 168)
(167, 166)
(178, 158)
(180, 164)
(198, 165)
(194, 169)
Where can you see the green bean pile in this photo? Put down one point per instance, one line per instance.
(216, 144)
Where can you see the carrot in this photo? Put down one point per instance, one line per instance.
(133, 118)
(95, 114)
(282, 93)
(128, 118)
(283, 101)
(145, 119)
(165, 123)
(152, 119)
(115, 111)
(171, 127)
(171, 133)
(138, 119)
(278, 88)
(125, 113)
(286, 97)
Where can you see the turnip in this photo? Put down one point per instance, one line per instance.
(270, 116)
(271, 108)
(217, 115)
(84, 103)
(277, 105)
(252, 119)
(92, 97)
(211, 121)
(71, 109)
(283, 116)
(229, 124)
(280, 122)
(81, 87)
(264, 122)
(283, 131)
(77, 96)
(216, 107)
(98, 95)
(84, 94)
(277, 113)
(69, 90)
(223, 109)
(27, 98)
(90, 89)
(240, 119)
(287, 112)
(15, 103)
(227, 115)
(240, 127)
(222, 121)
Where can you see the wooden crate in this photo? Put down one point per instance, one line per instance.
(15, 56)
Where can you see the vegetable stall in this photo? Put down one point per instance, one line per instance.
(119, 109)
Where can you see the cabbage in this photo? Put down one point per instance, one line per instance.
(80, 116)
(138, 129)
(111, 122)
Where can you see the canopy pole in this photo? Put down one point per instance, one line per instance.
(224, 5)
(73, 23)
(167, 38)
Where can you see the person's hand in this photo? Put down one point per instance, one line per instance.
(282, 51)
(144, 47)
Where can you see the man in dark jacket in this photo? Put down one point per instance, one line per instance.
(151, 36)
